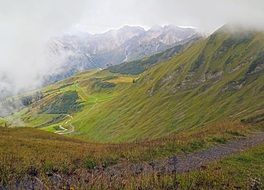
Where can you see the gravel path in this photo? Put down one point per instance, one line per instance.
(192, 161)
(175, 164)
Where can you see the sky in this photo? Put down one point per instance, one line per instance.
(206, 15)
(27, 26)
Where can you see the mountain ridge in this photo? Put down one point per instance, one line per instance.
(191, 79)
(89, 51)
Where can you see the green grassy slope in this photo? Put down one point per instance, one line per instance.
(75, 96)
(2, 122)
(218, 78)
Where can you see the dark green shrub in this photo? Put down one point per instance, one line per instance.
(89, 163)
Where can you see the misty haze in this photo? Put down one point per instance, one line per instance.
(132, 94)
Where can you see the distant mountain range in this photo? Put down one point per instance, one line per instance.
(82, 51)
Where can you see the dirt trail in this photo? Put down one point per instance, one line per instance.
(175, 164)
(71, 129)
(63, 129)
(192, 161)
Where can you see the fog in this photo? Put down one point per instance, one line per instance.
(27, 26)
(206, 15)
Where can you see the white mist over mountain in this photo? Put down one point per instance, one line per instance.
(207, 15)
(27, 26)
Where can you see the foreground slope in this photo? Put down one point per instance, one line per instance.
(33, 159)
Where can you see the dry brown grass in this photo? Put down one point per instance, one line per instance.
(24, 151)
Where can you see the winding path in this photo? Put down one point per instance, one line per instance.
(65, 131)
(71, 129)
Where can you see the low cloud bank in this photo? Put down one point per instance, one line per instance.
(25, 29)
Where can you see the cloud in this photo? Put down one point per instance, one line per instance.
(207, 15)
(26, 26)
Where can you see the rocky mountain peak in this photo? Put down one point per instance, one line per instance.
(115, 46)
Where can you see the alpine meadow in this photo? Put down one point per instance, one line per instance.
(110, 97)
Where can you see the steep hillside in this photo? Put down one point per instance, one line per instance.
(219, 78)
(138, 66)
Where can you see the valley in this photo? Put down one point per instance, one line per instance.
(196, 88)
(190, 117)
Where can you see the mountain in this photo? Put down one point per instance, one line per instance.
(138, 66)
(82, 51)
(156, 39)
(216, 79)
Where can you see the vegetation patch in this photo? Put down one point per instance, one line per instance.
(65, 103)
(53, 120)
(121, 79)
(89, 163)
(257, 65)
(256, 119)
(2, 122)
(198, 62)
(30, 99)
(98, 84)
